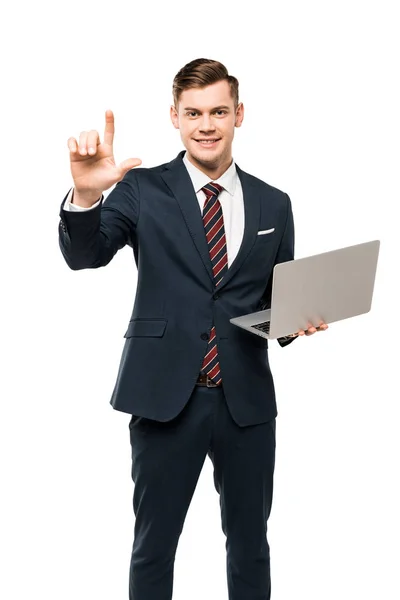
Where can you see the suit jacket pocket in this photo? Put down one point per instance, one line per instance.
(146, 328)
(265, 237)
(266, 231)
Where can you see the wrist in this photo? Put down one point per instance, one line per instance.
(85, 199)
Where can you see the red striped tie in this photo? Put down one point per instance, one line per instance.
(215, 233)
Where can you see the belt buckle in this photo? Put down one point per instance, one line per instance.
(210, 383)
(206, 381)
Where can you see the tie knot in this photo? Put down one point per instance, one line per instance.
(212, 189)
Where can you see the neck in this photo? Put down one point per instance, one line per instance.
(213, 171)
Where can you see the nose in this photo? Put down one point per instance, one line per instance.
(206, 123)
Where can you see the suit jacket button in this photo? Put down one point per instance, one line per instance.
(216, 296)
(204, 336)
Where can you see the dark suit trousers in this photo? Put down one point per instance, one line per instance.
(167, 458)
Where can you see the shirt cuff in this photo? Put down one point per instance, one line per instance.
(75, 207)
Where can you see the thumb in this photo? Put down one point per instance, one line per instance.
(128, 164)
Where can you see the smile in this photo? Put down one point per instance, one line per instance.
(207, 143)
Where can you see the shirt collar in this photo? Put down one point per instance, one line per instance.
(199, 179)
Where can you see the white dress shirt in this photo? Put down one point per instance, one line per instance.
(231, 200)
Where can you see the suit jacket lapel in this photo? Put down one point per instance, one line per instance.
(251, 199)
(178, 180)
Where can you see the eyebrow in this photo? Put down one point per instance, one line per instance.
(196, 109)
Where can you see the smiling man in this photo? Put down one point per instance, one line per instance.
(194, 384)
(207, 119)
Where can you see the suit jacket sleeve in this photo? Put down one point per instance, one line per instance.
(89, 239)
(285, 253)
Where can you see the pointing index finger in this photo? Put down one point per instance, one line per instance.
(109, 128)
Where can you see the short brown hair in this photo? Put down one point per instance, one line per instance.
(200, 73)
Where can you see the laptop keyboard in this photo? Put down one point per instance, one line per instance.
(264, 327)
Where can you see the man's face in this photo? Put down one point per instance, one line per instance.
(208, 114)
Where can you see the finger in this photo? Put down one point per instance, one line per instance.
(129, 164)
(109, 129)
(93, 140)
(72, 145)
(82, 142)
(310, 331)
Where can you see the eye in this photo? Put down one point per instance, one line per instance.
(193, 113)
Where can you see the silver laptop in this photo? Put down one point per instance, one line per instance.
(324, 287)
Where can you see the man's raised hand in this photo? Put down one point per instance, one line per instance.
(92, 163)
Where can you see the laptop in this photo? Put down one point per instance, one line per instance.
(325, 287)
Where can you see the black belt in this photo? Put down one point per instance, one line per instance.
(206, 381)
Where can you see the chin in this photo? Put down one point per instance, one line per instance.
(206, 157)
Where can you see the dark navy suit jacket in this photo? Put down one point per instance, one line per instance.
(156, 212)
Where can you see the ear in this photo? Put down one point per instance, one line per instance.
(174, 117)
(239, 115)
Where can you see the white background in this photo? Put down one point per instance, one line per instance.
(319, 82)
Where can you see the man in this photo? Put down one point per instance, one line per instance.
(194, 383)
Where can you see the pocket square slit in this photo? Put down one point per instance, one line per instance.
(263, 231)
